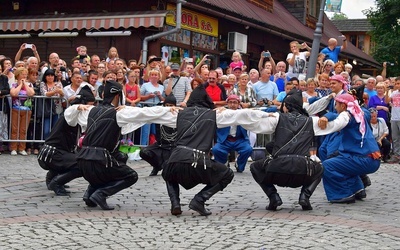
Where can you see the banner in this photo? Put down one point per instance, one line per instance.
(194, 21)
(333, 5)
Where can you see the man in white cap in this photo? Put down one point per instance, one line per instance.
(178, 85)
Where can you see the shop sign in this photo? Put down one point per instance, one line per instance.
(194, 21)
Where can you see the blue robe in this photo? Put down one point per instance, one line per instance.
(341, 173)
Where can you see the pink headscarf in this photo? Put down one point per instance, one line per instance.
(340, 79)
(355, 110)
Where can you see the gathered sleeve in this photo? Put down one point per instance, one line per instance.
(256, 121)
(73, 116)
(317, 106)
(337, 124)
(132, 118)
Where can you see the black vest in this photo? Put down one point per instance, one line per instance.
(102, 128)
(196, 129)
(288, 127)
(63, 136)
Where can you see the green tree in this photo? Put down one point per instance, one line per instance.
(339, 16)
(385, 20)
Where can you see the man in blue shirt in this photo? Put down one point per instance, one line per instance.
(265, 88)
(332, 51)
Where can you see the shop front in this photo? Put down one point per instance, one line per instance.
(198, 37)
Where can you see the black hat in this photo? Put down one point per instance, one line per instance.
(358, 93)
(200, 98)
(294, 102)
(84, 96)
(111, 89)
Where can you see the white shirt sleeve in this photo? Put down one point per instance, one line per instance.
(339, 123)
(317, 106)
(73, 116)
(132, 118)
(257, 121)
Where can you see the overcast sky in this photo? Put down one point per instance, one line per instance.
(353, 8)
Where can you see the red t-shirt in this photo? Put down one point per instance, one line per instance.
(214, 92)
(131, 91)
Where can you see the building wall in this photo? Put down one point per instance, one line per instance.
(296, 8)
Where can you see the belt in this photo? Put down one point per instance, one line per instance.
(375, 155)
(231, 138)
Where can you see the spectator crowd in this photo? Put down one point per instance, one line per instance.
(25, 121)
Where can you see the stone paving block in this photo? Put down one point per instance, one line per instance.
(239, 221)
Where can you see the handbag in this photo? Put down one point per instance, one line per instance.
(45, 107)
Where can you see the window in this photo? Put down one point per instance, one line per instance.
(264, 4)
(313, 7)
(358, 41)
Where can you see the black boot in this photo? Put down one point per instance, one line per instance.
(89, 191)
(154, 172)
(366, 180)
(100, 195)
(360, 195)
(57, 183)
(49, 176)
(173, 192)
(197, 203)
(274, 198)
(306, 192)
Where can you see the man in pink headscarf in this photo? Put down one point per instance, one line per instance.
(358, 155)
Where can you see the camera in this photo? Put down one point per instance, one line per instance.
(210, 56)
(267, 54)
(28, 46)
(265, 101)
(63, 68)
(173, 76)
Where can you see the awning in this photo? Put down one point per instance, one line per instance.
(86, 21)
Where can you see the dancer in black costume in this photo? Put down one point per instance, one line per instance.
(58, 154)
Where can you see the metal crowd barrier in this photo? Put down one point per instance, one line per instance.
(32, 120)
(34, 129)
(140, 137)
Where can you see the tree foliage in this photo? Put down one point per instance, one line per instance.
(339, 16)
(385, 34)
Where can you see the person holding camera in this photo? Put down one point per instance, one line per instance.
(265, 89)
(7, 69)
(25, 46)
(297, 59)
(266, 64)
(178, 85)
(280, 76)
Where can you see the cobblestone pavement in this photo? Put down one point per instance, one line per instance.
(32, 217)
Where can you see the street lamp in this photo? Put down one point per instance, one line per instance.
(316, 42)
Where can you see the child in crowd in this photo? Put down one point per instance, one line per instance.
(82, 54)
(112, 54)
(236, 61)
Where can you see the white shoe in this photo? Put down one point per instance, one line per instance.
(250, 159)
(13, 152)
(22, 152)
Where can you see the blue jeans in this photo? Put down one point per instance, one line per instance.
(48, 124)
